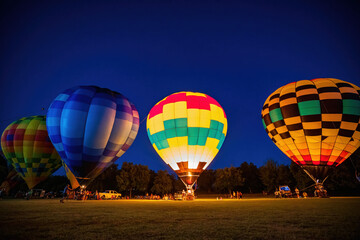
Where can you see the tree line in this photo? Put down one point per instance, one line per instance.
(136, 179)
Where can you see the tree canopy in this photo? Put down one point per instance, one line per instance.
(133, 177)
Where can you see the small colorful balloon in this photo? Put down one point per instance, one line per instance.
(26, 145)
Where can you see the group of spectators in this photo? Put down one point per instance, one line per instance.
(37, 193)
(83, 194)
(154, 197)
(298, 195)
(237, 195)
(79, 193)
(320, 191)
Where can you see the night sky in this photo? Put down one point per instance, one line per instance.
(238, 52)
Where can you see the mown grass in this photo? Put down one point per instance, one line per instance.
(334, 218)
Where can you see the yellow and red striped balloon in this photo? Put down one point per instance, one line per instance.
(187, 129)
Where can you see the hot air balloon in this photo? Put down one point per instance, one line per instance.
(187, 130)
(315, 123)
(91, 127)
(26, 145)
(11, 180)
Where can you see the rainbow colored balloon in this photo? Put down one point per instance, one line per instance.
(315, 123)
(187, 130)
(91, 127)
(26, 145)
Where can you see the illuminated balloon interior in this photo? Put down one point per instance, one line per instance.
(187, 130)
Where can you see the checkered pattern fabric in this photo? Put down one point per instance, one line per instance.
(26, 145)
(91, 127)
(314, 122)
(187, 130)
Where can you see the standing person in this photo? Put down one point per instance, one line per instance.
(29, 194)
(42, 194)
(66, 191)
(240, 195)
(86, 195)
(297, 192)
(305, 194)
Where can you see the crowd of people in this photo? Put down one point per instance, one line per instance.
(37, 193)
(320, 191)
(237, 195)
(79, 193)
(155, 197)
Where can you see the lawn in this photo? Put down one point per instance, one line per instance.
(333, 218)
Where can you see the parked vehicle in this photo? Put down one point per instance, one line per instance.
(283, 192)
(110, 194)
(179, 196)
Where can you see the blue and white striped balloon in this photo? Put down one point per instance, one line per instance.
(91, 127)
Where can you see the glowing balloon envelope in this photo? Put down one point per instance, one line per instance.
(26, 145)
(314, 122)
(187, 130)
(11, 180)
(91, 128)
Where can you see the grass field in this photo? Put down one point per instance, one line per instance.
(333, 218)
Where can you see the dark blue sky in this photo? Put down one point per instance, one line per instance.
(238, 52)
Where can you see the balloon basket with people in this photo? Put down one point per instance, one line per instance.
(320, 190)
(190, 193)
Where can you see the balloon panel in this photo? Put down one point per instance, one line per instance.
(73, 181)
(91, 127)
(187, 130)
(314, 122)
(26, 145)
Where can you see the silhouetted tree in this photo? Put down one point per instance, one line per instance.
(162, 183)
(178, 185)
(284, 176)
(252, 183)
(342, 181)
(106, 180)
(206, 180)
(151, 181)
(133, 177)
(354, 160)
(228, 179)
(302, 180)
(268, 175)
(53, 183)
(142, 178)
(3, 167)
